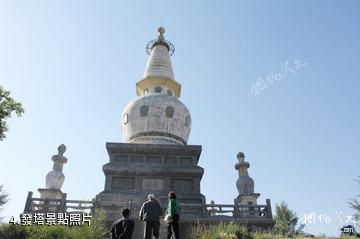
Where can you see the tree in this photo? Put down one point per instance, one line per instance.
(7, 106)
(286, 221)
(355, 203)
(4, 197)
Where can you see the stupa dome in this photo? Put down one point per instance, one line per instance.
(156, 118)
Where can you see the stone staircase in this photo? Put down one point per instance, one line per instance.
(139, 230)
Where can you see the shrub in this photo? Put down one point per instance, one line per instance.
(10, 231)
(221, 231)
(259, 235)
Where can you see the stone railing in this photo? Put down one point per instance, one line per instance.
(40, 205)
(207, 212)
(226, 212)
(239, 211)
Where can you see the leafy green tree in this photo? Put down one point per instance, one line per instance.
(4, 197)
(286, 221)
(355, 203)
(98, 227)
(7, 106)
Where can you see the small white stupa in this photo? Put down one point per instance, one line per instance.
(245, 184)
(55, 178)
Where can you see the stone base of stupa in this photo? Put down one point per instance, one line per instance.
(247, 198)
(135, 170)
(53, 200)
(46, 193)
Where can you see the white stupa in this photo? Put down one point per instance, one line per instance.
(157, 116)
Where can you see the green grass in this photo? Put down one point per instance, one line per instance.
(234, 231)
(10, 231)
(220, 231)
(97, 231)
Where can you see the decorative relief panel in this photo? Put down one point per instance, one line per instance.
(153, 184)
(136, 158)
(123, 183)
(120, 158)
(153, 159)
(182, 185)
(186, 160)
(170, 160)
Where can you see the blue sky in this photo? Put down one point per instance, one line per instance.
(74, 65)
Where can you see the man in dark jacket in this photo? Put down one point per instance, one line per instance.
(123, 228)
(150, 212)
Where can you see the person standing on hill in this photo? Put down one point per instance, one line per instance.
(150, 213)
(173, 213)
